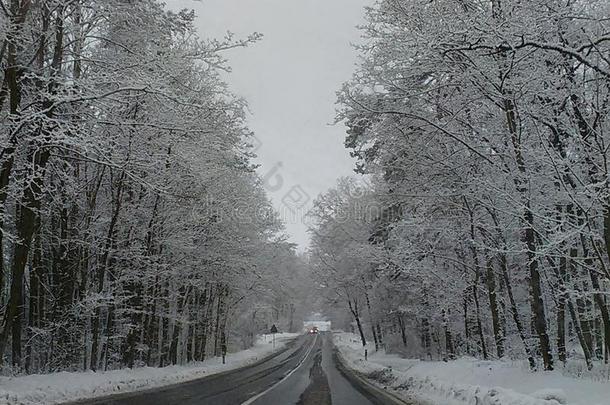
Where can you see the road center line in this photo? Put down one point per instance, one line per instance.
(254, 398)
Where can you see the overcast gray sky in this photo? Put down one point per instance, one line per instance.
(289, 80)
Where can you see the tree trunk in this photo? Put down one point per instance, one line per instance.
(603, 308)
(477, 308)
(426, 340)
(371, 320)
(104, 264)
(403, 329)
(13, 76)
(580, 334)
(561, 310)
(449, 348)
(466, 323)
(26, 225)
(509, 292)
(354, 310)
(477, 276)
(493, 305)
(217, 322)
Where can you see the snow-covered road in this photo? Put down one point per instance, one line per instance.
(305, 374)
(318, 381)
(57, 388)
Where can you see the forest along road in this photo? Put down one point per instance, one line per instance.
(304, 374)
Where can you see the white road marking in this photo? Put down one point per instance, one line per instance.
(254, 398)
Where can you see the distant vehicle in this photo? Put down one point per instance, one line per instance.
(321, 326)
(313, 330)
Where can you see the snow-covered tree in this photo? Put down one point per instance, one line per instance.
(485, 123)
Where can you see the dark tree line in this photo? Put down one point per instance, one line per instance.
(132, 225)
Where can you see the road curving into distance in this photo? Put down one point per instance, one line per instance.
(307, 372)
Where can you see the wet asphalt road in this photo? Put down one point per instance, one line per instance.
(304, 374)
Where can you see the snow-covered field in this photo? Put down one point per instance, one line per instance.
(470, 381)
(62, 387)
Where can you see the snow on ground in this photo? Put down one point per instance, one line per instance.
(470, 381)
(67, 386)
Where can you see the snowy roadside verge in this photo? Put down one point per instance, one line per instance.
(469, 381)
(71, 386)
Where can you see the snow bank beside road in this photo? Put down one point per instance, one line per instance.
(469, 381)
(61, 387)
